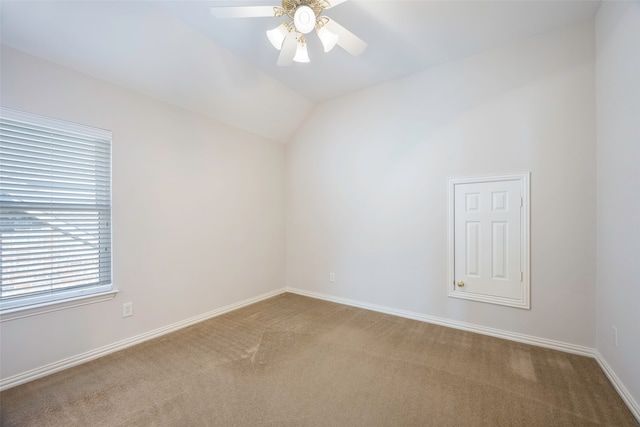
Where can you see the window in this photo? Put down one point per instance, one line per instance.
(55, 210)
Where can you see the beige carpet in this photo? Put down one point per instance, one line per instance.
(296, 361)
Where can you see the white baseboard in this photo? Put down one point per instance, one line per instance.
(498, 333)
(49, 369)
(634, 407)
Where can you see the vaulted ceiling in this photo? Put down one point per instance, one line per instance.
(177, 52)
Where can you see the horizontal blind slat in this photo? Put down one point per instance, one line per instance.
(62, 130)
(14, 232)
(40, 286)
(18, 250)
(26, 202)
(10, 171)
(63, 277)
(10, 145)
(45, 164)
(36, 186)
(66, 206)
(38, 259)
(55, 138)
(18, 137)
(18, 147)
(32, 232)
(13, 267)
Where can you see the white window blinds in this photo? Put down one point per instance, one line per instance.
(55, 210)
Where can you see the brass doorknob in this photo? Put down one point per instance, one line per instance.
(461, 283)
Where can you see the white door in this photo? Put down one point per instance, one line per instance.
(489, 241)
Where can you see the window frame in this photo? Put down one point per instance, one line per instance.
(36, 303)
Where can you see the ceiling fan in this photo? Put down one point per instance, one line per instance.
(290, 37)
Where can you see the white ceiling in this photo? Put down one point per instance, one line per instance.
(176, 51)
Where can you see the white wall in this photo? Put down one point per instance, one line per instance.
(618, 189)
(198, 213)
(367, 183)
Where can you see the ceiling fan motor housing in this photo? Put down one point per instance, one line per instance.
(304, 19)
(304, 13)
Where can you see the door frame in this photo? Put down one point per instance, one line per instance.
(525, 261)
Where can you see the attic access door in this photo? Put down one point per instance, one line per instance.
(489, 239)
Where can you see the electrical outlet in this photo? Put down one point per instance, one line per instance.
(332, 277)
(127, 309)
(615, 335)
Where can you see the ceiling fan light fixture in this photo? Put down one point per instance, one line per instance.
(327, 38)
(302, 55)
(277, 35)
(303, 16)
(304, 19)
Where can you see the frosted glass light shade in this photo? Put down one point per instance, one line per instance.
(301, 53)
(304, 19)
(277, 35)
(327, 38)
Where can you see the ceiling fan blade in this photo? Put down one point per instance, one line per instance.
(346, 39)
(288, 51)
(225, 12)
(334, 3)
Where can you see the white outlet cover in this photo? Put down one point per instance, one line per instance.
(127, 309)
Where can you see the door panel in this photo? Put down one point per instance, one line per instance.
(472, 240)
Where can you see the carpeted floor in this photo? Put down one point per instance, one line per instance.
(297, 361)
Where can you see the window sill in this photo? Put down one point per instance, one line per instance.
(34, 310)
